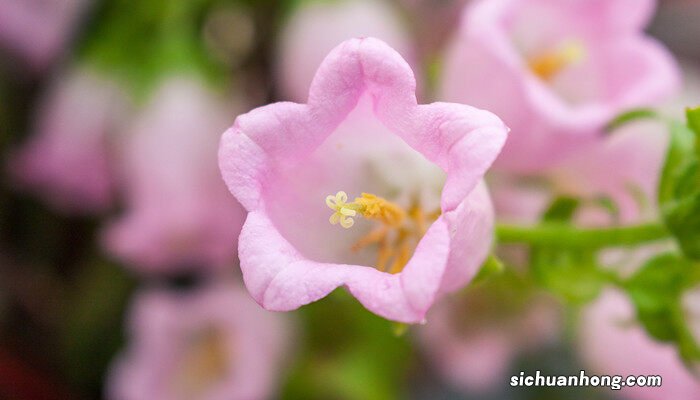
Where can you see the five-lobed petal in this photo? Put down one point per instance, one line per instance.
(265, 143)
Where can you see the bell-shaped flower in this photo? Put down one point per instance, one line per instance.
(178, 214)
(211, 344)
(39, 30)
(556, 71)
(432, 23)
(409, 216)
(624, 168)
(612, 342)
(621, 171)
(67, 161)
(474, 338)
(315, 28)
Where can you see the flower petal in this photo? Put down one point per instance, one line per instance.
(460, 139)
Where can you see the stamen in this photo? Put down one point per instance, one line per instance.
(374, 236)
(384, 254)
(404, 254)
(395, 238)
(551, 63)
(368, 205)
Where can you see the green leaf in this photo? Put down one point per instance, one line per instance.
(679, 188)
(630, 116)
(683, 219)
(693, 115)
(562, 209)
(679, 156)
(608, 204)
(656, 291)
(493, 266)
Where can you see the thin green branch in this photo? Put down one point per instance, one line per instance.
(567, 236)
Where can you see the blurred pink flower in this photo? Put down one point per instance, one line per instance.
(361, 130)
(67, 159)
(316, 27)
(433, 23)
(624, 168)
(472, 343)
(179, 214)
(38, 29)
(214, 344)
(556, 71)
(612, 342)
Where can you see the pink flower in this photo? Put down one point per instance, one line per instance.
(38, 30)
(361, 131)
(473, 340)
(433, 23)
(624, 168)
(556, 71)
(67, 159)
(179, 214)
(213, 344)
(612, 342)
(315, 28)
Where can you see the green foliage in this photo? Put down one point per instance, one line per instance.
(571, 273)
(492, 267)
(693, 115)
(347, 353)
(656, 291)
(608, 205)
(561, 210)
(679, 190)
(141, 42)
(630, 116)
(91, 330)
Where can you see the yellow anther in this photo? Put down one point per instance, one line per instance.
(550, 63)
(398, 234)
(374, 207)
(368, 205)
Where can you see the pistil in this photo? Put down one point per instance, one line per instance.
(399, 231)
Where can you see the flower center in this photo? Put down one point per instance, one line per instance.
(398, 233)
(550, 63)
(203, 364)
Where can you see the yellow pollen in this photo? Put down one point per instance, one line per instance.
(396, 237)
(368, 205)
(551, 63)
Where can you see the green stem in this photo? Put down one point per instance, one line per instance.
(558, 235)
